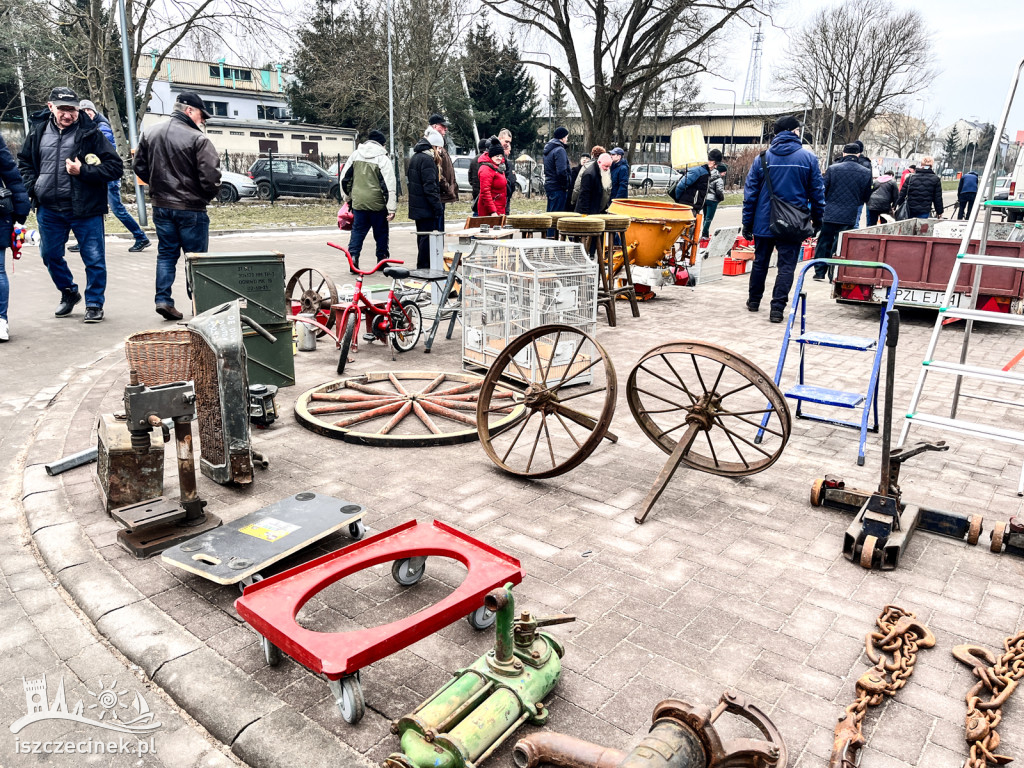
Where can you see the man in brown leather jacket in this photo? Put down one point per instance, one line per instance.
(449, 186)
(182, 169)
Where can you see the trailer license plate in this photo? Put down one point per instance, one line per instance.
(922, 298)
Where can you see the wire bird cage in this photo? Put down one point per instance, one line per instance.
(512, 286)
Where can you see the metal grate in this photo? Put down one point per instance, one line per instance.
(208, 405)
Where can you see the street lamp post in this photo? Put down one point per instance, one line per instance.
(963, 165)
(922, 127)
(548, 55)
(732, 135)
(832, 128)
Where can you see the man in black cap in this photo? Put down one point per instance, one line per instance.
(556, 171)
(182, 168)
(796, 179)
(368, 183)
(66, 164)
(847, 186)
(449, 185)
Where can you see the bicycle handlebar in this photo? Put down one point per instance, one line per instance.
(353, 267)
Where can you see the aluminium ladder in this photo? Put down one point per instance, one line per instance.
(961, 369)
(866, 401)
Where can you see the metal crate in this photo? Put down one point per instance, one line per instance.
(512, 286)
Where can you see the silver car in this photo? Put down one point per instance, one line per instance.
(235, 185)
(650, 176)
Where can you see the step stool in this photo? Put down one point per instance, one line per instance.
(802, 392)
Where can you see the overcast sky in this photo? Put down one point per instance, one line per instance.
(977, 44)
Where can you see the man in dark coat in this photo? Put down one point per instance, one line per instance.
(595, 187)
(182, 168)
(866, 162)
(796, 178)
(692, 189)
(425, 207)
(620, 174)
(922, 191)
(66, 164)
(14, 207)
(556, 171)
(847, 187)
(883, 198)
(966, 191)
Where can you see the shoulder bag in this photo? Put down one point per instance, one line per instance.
(789, 222)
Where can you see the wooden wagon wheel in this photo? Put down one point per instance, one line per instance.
(703, 405)
(560, 373)
(312, 292)
(403, 408)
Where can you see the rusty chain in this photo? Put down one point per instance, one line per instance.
(998, 676)
(900, 634)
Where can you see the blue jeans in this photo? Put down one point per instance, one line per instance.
(710, 206)
(788, 255)
(117, 208)
(860, 211)
(439, 224)
(4, 286)
(362, 222)
(556, 202)
(54, 227)
(178, 231)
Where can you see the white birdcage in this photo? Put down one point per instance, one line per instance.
(512, 286)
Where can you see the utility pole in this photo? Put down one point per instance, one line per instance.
(831, 130)
(129, 88)
(391, 102)
(469, 101)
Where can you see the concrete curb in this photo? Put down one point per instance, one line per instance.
(259, 727)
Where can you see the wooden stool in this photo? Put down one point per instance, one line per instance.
(616, 224)
(529, 226)
(589, 231)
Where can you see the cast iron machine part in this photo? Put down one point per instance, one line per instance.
(262, 407)
(884, 524)
(156, 524)
(681, 736)
(469, 717)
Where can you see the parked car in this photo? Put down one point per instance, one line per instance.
(235, 185)
(650, 176)
(462, 163)
(296, 178)
(1002, 191)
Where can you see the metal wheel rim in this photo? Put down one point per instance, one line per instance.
(755, 377)
(417, 323)
(310, 299)
(493, 380)
(462, 432)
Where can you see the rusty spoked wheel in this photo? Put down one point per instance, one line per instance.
(567, 385)
(711, 400)
(404, 408)
(312, 292)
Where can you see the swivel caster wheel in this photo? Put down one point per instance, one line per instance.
(348, 695)
(248, 581)
(357, 530)
(409, 570)
(482, 618)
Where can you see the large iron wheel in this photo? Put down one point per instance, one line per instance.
(680, 390)
(403, 408)
(312, 292)
(562, 376)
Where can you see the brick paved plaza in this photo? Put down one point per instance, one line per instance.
(730, 583)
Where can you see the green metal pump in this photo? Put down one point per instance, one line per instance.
(461, 724)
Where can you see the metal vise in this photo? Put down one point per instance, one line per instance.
(681, 736)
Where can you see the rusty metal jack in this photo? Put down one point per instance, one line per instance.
(154, 525)
(681, 736)
(884, 524)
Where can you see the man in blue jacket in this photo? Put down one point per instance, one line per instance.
(847, 186)
(966, 191)
(114, 188)
(556, 171)
(620, 174)
(796, 178)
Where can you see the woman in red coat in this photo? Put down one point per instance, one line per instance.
(493, 184)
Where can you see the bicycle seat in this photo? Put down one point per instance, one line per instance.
(397, 273)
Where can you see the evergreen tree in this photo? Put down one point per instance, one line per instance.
(559, 104)
(951, 148)
(502, 92)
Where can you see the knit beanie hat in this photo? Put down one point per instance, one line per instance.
(496, 150)
(561, 132)
(376, 136)
(786, 123)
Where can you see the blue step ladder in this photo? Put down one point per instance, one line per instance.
(803, 392)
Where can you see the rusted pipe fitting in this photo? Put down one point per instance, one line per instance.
(546, 748)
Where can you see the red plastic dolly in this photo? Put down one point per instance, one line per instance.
(270, 606)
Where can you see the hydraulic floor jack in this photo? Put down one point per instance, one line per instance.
(884, 523)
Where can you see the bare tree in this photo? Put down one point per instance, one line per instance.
(901, 133)
(856, 61)
(637, 47)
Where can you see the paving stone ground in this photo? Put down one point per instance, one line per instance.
(731, 583)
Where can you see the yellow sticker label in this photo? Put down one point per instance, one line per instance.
(269, 529)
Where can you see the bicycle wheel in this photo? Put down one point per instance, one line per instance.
(346, 342)
(406, 332)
